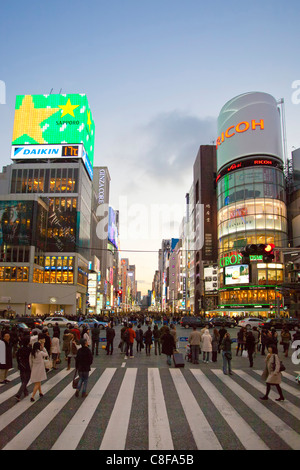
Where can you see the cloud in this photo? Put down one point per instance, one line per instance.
(173, 140)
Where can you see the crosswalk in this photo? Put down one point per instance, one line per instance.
(152, 409)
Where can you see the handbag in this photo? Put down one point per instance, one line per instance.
(245, 353)
(75, 379)
(48, 363)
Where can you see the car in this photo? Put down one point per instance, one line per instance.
(92, 321)
(4, 321)
(187, 322)
(250, 322)
(21, 327)
(61, 321)
(31, 322)
(223, 321)
(280, 323)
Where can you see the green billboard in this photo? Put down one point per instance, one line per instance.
(54, 119)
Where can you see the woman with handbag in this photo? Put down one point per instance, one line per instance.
(37, 366)
(72, 350)
(272, 374)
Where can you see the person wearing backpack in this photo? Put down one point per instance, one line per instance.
(139, 339)
(95, 332)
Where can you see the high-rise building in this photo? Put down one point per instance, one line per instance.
(252, 209)
(46, 212)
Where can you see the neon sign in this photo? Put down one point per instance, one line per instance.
(239, 128)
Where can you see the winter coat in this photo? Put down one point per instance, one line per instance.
(250, 342)
(23, 355)
(272, 374)
(8, 356)
(139, 335)
(66, 341)
(168, 344)
(206, 342)
(84, 359)
(195, 338)
(215, 342)
(95, 333)
(55, 348)
(110, 334)
(37, 365)
(148, 337)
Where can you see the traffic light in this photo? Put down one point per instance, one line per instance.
(120, 294)
(29, 306)
(264, 252)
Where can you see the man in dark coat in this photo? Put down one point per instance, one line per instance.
(84, 359)
(168, 344)
(95, 338)
(110, 334)
(5, 358)
(23, 364)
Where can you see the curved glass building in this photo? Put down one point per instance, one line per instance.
(251, 203)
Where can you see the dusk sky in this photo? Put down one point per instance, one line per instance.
(156, 75)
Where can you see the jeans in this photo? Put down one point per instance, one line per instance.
(226, 363)
(205, 353)
(83, 380)
(157, 346)
(129, 348)
(95, 343)
(109, 347)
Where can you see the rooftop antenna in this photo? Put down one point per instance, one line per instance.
(51, 91)
(60, 91)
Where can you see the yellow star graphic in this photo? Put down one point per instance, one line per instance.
(28, 120)
(89, 122)
(68, 108)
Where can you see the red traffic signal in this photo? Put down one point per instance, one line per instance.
(29, 306)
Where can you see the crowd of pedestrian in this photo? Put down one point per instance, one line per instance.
(38, 352)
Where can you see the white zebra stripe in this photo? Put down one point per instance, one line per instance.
(116, 431)
(287, 434)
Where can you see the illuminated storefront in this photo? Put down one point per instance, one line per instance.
(251, 203)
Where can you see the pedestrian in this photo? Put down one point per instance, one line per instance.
(168, 344)
(272, 374)
(139, 339)
(206, 345)
(148, 340)
(241, 340)
(110, 334)
(195, 341)
(66, 339)
(174, 333)
(85, 334)
(56, 329)
(84, 359)
(215, 344)
(14, 340)
(72, 350)
(222, 332)
(285, 340)
(47, 346)
(38, 371)
(95, 333)
(156, 337)
(250, 346)
(129, 337)
(264, 340)
(226, 353)
(7, 363)
(23, 355)
(122, 344)
(272, 338)
(55, 348)
(256, 335)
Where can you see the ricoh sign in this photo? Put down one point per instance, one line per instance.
(249, 125)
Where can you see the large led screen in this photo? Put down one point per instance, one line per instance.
(238, 274)
(54, 119)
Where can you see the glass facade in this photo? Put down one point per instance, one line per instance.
(251, 210)
(44, 180)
